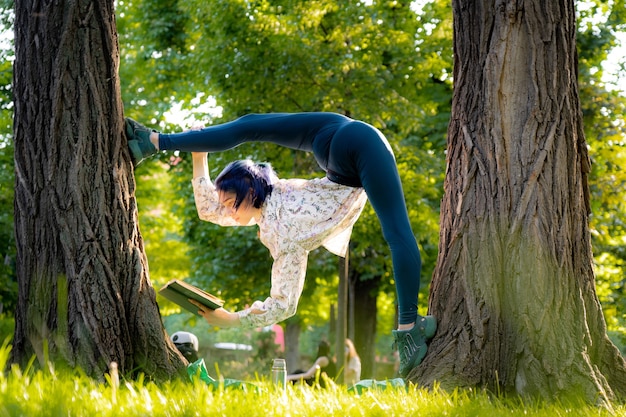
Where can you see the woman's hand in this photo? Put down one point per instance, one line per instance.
(219, 317)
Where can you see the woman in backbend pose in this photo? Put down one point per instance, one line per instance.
(296, 216)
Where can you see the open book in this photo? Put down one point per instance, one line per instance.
(180, 292)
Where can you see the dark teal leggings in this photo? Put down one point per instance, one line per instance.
(352, 153)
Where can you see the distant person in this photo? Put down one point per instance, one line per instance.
(352, 363)
(187, 344)
(324, 365)
(297, 216)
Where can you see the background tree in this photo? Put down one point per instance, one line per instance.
(8, 279)
(84, 294)
(514, 287)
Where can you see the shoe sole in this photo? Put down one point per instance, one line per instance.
(135, 152)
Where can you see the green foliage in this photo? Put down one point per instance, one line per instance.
(8, 279)
(54, 392)
(605, 131)
(152, 39)
(265, 351)
(161, 229)
(7, 326)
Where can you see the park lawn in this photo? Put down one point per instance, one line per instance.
(52, 393)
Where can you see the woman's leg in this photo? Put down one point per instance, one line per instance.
(292, 130)
(302, 131)
(360, 149)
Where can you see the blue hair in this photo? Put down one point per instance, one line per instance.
(239, 177)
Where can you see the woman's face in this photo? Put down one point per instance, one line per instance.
(241, 215)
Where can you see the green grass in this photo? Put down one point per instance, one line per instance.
(51, 393)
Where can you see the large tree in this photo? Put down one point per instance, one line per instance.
(514, 287)
(85, 298)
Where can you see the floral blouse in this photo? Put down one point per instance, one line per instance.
(299, 216)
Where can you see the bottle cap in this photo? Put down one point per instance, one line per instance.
(279, 363)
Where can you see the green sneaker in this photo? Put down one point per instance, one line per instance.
(411, 344)
(139, 144)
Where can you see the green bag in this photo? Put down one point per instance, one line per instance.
(369, 384)
(198, 370)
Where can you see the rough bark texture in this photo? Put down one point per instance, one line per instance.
(84, 291)
(514, 288)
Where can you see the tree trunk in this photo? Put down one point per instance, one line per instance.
(365, 311)
(514, 289)
(85, 298)
(292, 345)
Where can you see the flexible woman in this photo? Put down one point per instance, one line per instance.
(355, 156)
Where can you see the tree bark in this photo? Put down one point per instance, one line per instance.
(514, 289)
(85, 298)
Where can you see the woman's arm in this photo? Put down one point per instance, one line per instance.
(200, 164)
(219, 317)
(205, 195)
(320, 362)
(288, 274)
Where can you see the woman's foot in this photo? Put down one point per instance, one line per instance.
(139, 142)
(411, 343)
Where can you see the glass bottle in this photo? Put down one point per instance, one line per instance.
(279, 373)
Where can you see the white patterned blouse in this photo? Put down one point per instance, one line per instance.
(299, 216)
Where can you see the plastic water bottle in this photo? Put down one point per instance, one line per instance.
(279, 373)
